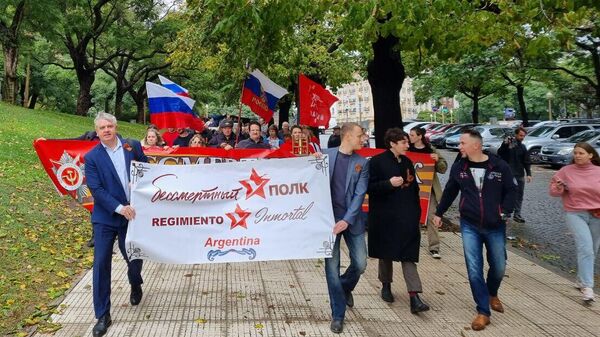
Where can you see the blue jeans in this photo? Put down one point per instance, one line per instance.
(586, 232)
(104, 238)
(494, 240)
(339, 285)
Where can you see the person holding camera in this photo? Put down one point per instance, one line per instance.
(514, 152)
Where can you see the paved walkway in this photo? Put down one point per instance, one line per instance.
(289, 298)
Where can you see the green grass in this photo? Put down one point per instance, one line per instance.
(42, 235)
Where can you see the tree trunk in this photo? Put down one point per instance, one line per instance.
(84, 100)
(141, 111)
(284, 109)
(22, 93)
(596, 62)
(475, 111)
(522, 106)
(119, 102)
(139, 98)
(33, 100)
(9, 84)
(386, 74)
(27, 82)
(10, 46)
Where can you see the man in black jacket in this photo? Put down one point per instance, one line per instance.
(487, 189)
(514, 152)
(335, 139)
(225, 138)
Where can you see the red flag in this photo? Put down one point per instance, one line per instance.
(315, 103)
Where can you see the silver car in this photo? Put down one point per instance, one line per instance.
(487, 132)
(548, 134)
(561, 153)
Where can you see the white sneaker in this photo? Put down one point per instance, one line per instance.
(435, 254)
(588, 294)
(579, 286)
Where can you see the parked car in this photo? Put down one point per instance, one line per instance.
(409, 126)
(430, 125)
(487, 132)
(561, 153)
(550, 133)
(453, 141)
(438, 129)
(493, 144)
(439, 140)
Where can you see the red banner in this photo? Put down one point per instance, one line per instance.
(315, 103)
(64, 164)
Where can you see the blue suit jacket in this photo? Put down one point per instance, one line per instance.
(103, 181)
(357, 181)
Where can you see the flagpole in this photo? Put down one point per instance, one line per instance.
(237, 137)
(297, 96)
(239, 130)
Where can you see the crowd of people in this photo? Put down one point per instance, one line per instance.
(490, 187)
(253, 135)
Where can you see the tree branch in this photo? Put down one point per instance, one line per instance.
(51, 63)
(18, 17)
(508, 79)
(572, 73)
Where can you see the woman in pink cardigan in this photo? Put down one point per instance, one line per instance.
(578, 185)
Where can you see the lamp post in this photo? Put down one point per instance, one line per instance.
(549, 96)
(359, 108)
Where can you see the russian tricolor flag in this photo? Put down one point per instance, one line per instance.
(170, 110)
(174, 87)
(261, 94)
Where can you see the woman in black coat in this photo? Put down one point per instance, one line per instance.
(394, 213)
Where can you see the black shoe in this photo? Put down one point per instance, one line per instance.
(349, 299)
(337, 326)
(517, 218)
(416, 305)
(101, 326)
(136, 294)
(386, 292)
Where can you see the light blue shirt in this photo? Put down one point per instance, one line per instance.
(117, 156)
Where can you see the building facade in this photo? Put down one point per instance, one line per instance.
(356, 103)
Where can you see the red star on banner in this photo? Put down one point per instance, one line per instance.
(239, 212)
(255, 185)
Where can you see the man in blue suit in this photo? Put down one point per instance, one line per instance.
(349, 178)
(107, 174)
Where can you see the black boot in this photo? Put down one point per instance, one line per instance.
(101, 326)
(416, 305)
(386, 292)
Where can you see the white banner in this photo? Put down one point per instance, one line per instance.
(275, 209)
